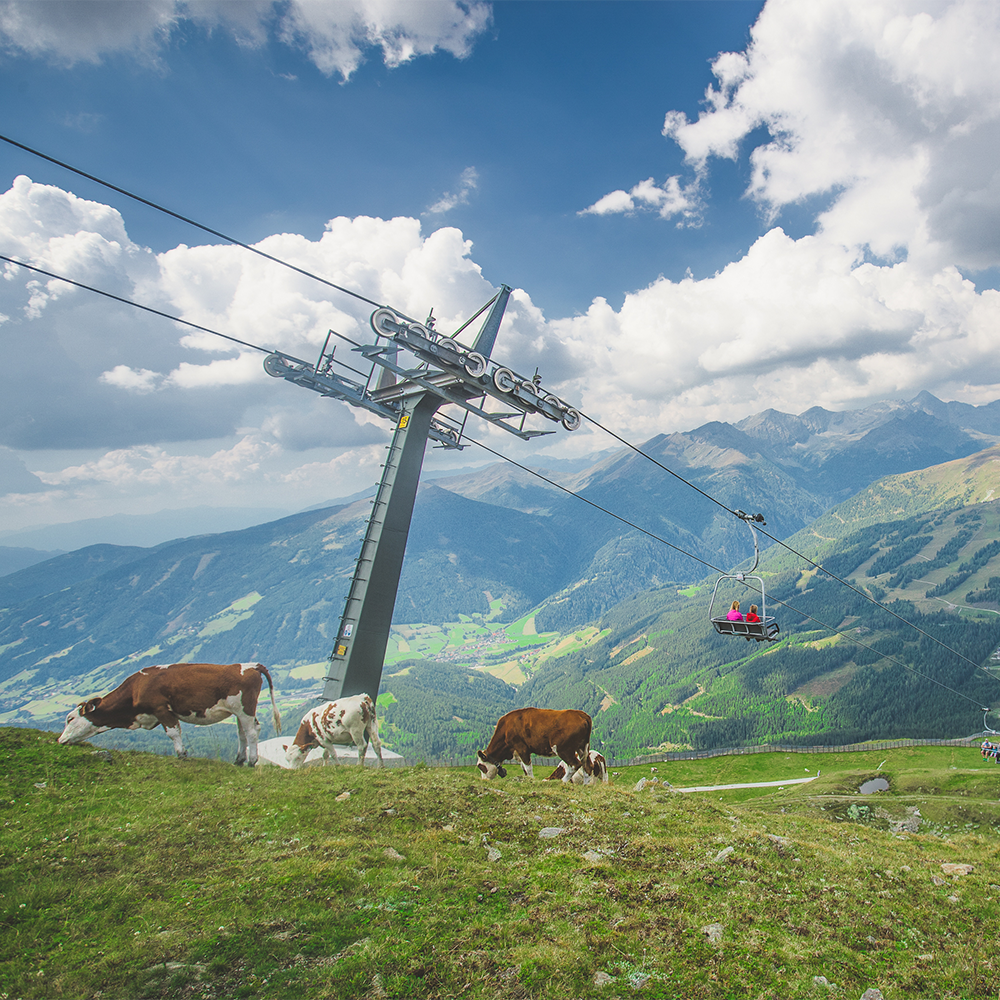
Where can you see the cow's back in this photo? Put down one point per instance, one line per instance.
(538, 729)
(189, 688)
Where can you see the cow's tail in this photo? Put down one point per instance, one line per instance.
(588, 765)
(262, 670)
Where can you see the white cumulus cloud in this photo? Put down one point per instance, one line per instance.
(888, 107)
(669, 199)
(886, 113)
(335, 35)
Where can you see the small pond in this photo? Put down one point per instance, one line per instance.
(874, 785)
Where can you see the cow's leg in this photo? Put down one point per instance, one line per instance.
(356, 731)
(172, 727)
(525, 763)
(376, 742)
(572, 766)
(252, 738)
(241, 753)
(249, 732)
(331, 754)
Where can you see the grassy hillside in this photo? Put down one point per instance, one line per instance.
(964, 482)
(148, 877)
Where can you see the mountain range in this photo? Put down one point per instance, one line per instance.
(499, 546)
(137, 529)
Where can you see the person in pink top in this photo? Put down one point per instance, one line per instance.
(734, 613)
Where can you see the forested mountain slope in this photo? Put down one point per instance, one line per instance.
(660, 675)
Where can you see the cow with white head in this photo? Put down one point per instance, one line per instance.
(169, 694)
(599, 771)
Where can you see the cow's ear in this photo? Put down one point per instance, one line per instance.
(481, 755)
(89, 706)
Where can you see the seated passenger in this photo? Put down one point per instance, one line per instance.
(752, 614)
(734, 613)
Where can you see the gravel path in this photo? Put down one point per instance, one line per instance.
(753, 784)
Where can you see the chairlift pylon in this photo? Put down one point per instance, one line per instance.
(765, 630)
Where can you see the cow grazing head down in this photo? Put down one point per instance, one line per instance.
(487, 769)
(171, 693)
(543, 731)
(78, 724)
(599, 767)
(336, 723)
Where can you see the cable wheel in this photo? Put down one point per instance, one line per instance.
(475, 364)
(503, 379)
(380, 319)
(571, 419)
(275, 365)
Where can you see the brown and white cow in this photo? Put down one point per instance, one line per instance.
(598, 765)
(544, 731)
(336, 723)
(169, 694)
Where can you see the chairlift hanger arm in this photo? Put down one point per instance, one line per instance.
(331, 384)
(430, 382)
(749, 520)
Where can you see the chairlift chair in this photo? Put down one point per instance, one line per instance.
(766, 630)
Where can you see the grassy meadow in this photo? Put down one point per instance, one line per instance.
(127, 874)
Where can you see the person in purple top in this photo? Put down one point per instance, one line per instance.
(734, 613)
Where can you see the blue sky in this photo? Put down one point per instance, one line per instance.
(555, 103)
(706, 209)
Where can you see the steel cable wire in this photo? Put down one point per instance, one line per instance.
(190, 222)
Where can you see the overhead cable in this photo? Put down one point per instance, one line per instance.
(130, 302)
(190, 222)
